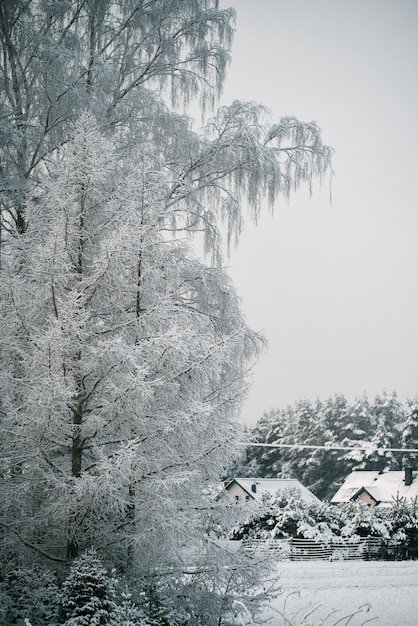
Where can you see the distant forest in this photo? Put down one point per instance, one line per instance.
(384, 423)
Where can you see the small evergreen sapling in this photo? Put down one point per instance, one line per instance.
(127, 613)
(88, 593)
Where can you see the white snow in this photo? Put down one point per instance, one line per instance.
(384, 486)
(383, 593)
(272, 486)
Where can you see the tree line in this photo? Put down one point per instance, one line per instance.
(368, 426)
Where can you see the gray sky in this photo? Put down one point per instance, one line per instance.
(334, 286)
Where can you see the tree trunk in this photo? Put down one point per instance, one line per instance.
(76, 460)
(131, 527)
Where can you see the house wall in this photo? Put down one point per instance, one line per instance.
(235, 491)
(367, 499)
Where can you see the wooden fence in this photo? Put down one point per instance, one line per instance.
(280, 548)
(364, 548)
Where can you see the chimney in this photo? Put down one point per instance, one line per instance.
(408, 476)
(254, 488)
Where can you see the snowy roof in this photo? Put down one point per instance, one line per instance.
(382, 486)
(272, 486)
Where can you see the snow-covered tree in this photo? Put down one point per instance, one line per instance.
(265, 461)
(127, 613)
(88, 593)
(303, 430)
(410, 434)
(132, 367)
(388, 417)
(356, 430)
(117, 59)
(324, 425)
(326, 467)
(123, 355)
(108, 56)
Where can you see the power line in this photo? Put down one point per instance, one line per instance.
(367, 448)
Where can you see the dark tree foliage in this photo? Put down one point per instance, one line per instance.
(410, 433)
(32, 593)
(370, 427)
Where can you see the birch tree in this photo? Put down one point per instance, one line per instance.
(61, 58)
(119, 60)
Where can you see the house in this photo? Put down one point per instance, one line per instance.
(378, 488)
(252, 489)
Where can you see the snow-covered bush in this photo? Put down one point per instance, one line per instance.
(361, 520)
(286, 516)
(276, 516)
(403, 543)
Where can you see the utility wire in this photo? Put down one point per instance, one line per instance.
(368, 448)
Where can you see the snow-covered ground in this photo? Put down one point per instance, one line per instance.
(383, 593)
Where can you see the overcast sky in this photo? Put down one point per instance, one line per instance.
(334, 286)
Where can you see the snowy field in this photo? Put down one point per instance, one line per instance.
(383, 593)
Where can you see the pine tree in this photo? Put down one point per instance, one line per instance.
(388, 419)
(303, 430)
(270, 428)
(330, 415)
(357, 430)
(410, 434)
(32, 593)
(88, 593)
